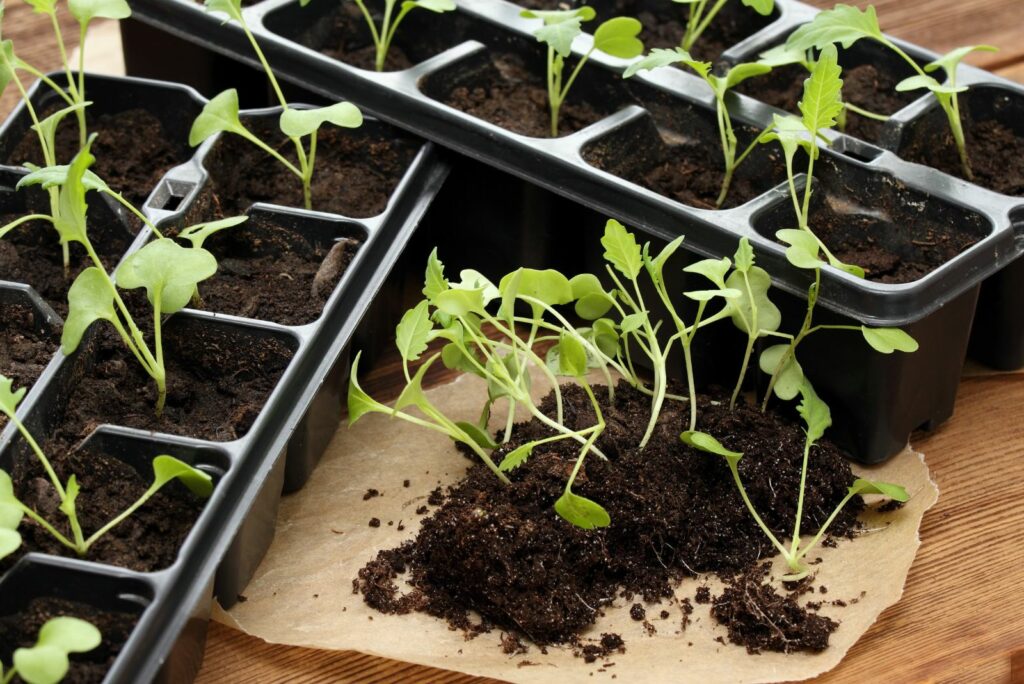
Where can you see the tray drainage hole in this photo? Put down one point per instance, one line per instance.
(172, 202)
(861, 153)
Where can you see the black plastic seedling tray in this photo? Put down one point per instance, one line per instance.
(883, 399)
(250, 472)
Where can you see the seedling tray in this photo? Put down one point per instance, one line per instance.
(889, 397)
(276, 453)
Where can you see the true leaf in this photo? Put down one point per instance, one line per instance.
(791, 134)
(618, 37)
(412, 394)
(197, 234)
(888, 340)
(218, 115)
(296, 123)
(705, 442)
(661, 57)
(582, 512)
(782, 55)
(47, 127)
(89, 299)
(842, 24)
(803, 249)
(922, 81)
(656, 266)
(71, 490)
(516, 457)
(413, 331)
(743, 260)
(741, 72)
(359, 402)
(633, 321)
(814, 411)
(454, 357)
(457, 302)
(479, 436)
(822, 100)
(790, 377)
(560, 35)
(951, 60)
(70, 220)
(85, 11)
(621, 249)
(167, 468)
(472, 279)
(768, 316)
(168, 271)
(9, 398)
(56, 176)
(712, 269)
(434, 282)
(893, 491)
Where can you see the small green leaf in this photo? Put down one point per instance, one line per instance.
(56, 176)
(232, 8)
(70, 634)
(548, 286)
(741, 72)
(782, 55)
(9, 398)
(296, 123)
(413, 331)
(893, 491)
(359, 402)
(618, 37)
(412, 394)
(706, 443)
(572, 357)
(42, 6)
(10, 541)
(516, 457)
(71, 490)
(72, 208)
(47, 661)
(762, 7)
(582, 512)
(47, 128)
(822, 101)
(168, 271)
(656, 266)
(435, 282)
(790, 377)
(921, 81)
(743, 260)
(951, 60)
(85, 11)
(712, 269)
(814, 411)
(633, 321)
(219, 114)
(198, 234)
(89, 299)
(605, 337)
(662, 57)
(584, 13)
(592, 301)
(791, 134)
(458, 302)
(453, 357)
(621, 249)
(475, 280)
(481, 437)
(803, 248)
(167, 468)
(768, 316)
(11, 511)
(888, 340)
(7, 62)
(438, 6)
(842, 24)
(708, 295)
(560, 35)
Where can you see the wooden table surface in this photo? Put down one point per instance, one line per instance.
(961, 618)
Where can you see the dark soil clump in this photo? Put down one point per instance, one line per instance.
(761, 619)
(25, 349)
(21, 630)
(500, 551)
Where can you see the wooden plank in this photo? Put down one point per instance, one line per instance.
(34, 42)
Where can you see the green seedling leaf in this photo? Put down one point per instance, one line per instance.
(803, 249)
(413, 331)
(85, 11)
(496, 387)
(453, 357)
(741, 72)
(48, 126)
(656, 266)
(71, 205)
(621, 249)
(71, 491)
(9, 398)
(359, 402)
(743, 260)
(7, 62)
(822, 101)
(814, 411)
(10, 541)
(434, 282)
(296, 123)
(662, 57)
(592, 301)
(888, 340)
(605, 337)
(549, 286)
(618, 37)
(56, 176)
(90, 299)
(893, 491)
(11, 514)
(921, 81)
(951, 60)
(768, 316)
(459, 302)
(197, 234)
(712, 269)
(47, 661)
(167, 468)
(584, 13)
(42, 6)
(791, 134)
(633, 321)
(706, 443)
(475, 280)
(219, 115)
(708, 295)
(842, 24)
(560, 34)
(762, 7)
(516, 457)
(782, 55)
(438, 6)
(571, 356)
(232, 8)
(790, 378)
(412, 394)
(481, 437)
(168, 271)
(582, 512)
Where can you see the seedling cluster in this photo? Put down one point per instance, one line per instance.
(46, 661)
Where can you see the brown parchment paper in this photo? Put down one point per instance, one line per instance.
(302, 593)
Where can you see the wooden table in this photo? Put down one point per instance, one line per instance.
(962, 615)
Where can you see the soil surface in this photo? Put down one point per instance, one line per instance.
(132, 150)
(865, 86)
(31, 254)
(511, 95)
(273, 274)
(665, 23)
(21, 630)
(148, 540)
(996, 153)
(24, 352)
(217, 382)
(500, 552)
(356, 170)
(349, 41)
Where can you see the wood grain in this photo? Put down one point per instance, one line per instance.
(34, 42)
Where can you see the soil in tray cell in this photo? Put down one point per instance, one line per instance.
(356, 169)
(665, 22)
(273, 274)
(24, 349)
(218, 379)
(501, 552)
(31, 254)
(21, 630)
(131, 148)
(146, 541)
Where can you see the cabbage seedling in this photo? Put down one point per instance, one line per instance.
(720, 85)
(221, 114)
(701, 16)
(845, 25)
(12, 510)
(616, 37)
(817, 418)
(46, 662)
(385, 34)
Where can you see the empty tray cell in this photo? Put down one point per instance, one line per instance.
(29, 336)
(676, 152)
(505, 85)
(142, 131)
(870, 74)
(665, 22)
(873, 220)
(993, 119)
(340, 31)
(356, 171)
